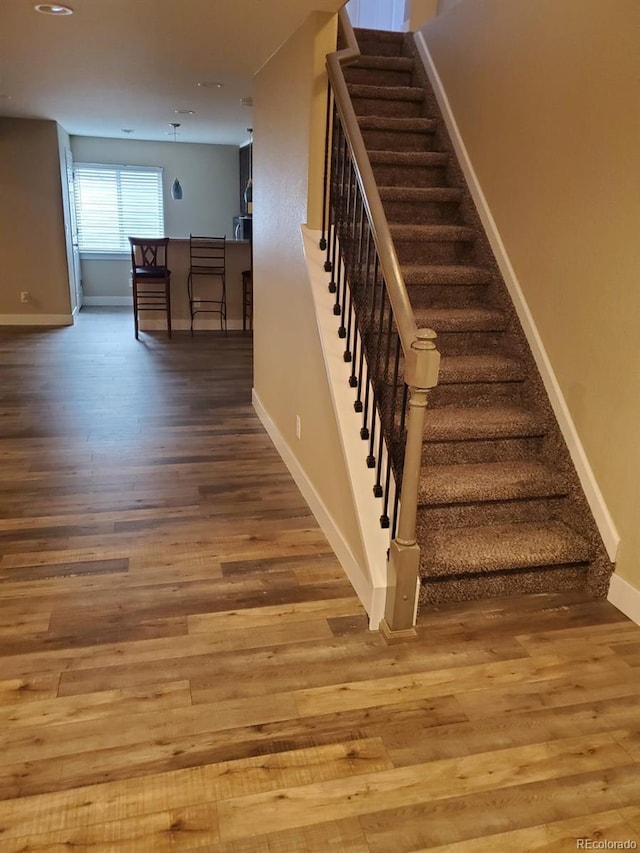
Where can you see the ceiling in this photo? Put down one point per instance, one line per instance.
(118, 64)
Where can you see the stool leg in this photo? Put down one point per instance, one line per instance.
(135, 308)
(223, 304)
(244, 302)
(190, 295)
(167, 288)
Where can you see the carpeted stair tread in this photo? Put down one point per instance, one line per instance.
(456, 369)
(498, 512)
(432, 233)
(409, 158)
(501, 547)
(488, 481)
(420, 194)
(384, 63)
(425, 274)
(471, 423)
(386, 93)
(460, 319)
(400, 125)
(380, 37)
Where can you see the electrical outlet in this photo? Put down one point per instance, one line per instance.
(25, 296)
(298, 426)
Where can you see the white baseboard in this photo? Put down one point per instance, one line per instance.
(625, 597)
(107, 301)
(601, 514)
(375, 540)
(372, 599)
(181, 325)
(36, 320)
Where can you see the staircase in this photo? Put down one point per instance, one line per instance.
(501, 510)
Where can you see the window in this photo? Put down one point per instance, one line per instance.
(116, 202)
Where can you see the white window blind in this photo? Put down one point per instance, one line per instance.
(114, 203)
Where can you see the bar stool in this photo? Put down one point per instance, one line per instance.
(247, 300)
(150, 277)
(207, 258)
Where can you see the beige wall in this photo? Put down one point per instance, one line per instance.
(289, 376)
(32, 241)
(421, 11)
(445, 5)
(547, 98)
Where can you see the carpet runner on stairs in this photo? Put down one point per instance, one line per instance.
(501, 508)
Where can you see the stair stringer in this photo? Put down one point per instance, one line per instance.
(602, 517)
(369, 581)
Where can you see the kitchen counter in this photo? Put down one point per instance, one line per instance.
(238, 258)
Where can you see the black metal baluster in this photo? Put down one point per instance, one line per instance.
(347, 355)
(338, 265)
(337, 308)
(364, 432)
(394, 521)
(364, 322)
(355, 279)
(371, 459)
(394, 390)
(325, 187)
(393, 432)
(384, 518)
(358, 288)
(385, 403)
(370, 362)
(357, 383)
(334, 200)
(347, 247)
(403, 420)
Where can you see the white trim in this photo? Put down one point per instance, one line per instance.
(105, 256)
(36, 320)
(602, 516)
(111, 301)
(148, 324)
(625, 597)
(372, 598)
(375, 540)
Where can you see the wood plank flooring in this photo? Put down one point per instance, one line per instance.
(183, 665)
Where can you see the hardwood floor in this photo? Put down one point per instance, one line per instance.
(184, 666)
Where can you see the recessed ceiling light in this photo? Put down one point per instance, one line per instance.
(185, 112)
(207, 84)
(53, 9)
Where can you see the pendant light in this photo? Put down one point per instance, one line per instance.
(176, 187)
(248, 192)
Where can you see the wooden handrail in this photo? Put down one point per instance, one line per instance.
(422, 359)
(402, 310)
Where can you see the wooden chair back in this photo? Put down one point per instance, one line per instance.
(149, 255)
